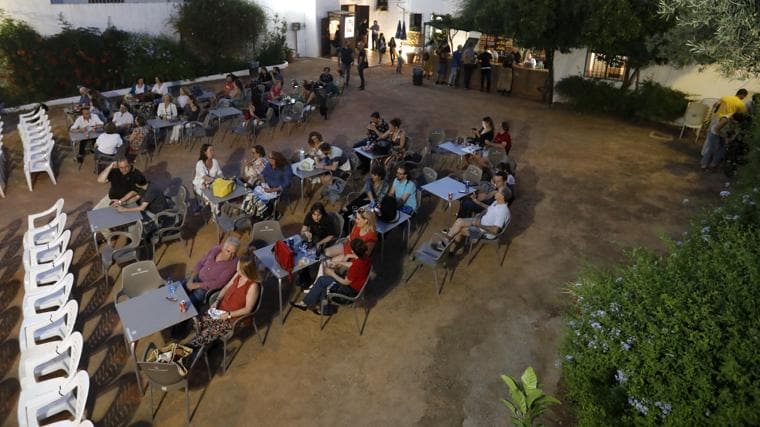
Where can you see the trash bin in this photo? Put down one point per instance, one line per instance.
(417, 74)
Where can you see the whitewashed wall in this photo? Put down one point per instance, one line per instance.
(152, 17)
(147, 17)
(702, 82)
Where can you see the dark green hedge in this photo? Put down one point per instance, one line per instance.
(673, 338)
(651, 101)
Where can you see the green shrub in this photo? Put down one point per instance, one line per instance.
(651, 101)
(274, 49)
(673, 338)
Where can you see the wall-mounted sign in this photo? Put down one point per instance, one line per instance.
(348, 28)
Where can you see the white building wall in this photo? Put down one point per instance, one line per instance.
(701, 82)
(144, 17)
(153, 17)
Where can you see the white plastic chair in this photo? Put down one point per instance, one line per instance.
(52, 212)
(2, 164)
(51, 272)
(63, 396)
(48, 297)
(47, 358)
(40, 160)
(40, 254)
(47, 233)
(42, 327)
(694, 117)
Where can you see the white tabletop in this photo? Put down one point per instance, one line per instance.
(369, 154)
(78, 136)
(152, 312)
(306, 174)
(107, 218)
(303, 260)
(238, 191)
(459, 149)
(446, 185)
(225, 112)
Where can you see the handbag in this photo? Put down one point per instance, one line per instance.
(222, 187)
(171, 353)
(285, 257)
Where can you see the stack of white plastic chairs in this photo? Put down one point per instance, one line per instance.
(51, 383)
(37, 139)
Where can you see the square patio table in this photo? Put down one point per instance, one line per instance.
(240, 190)
(373, 157)
(152, 312)
(77, 137)
(158, 124)
(459, 149)
(108, 218)
(303, 175)
(383, 227)
(448, 185)
(224, 112)
(304, 259)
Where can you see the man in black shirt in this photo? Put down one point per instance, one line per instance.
(485, 69)
(123, 178)
(150, 200)
(376, 127)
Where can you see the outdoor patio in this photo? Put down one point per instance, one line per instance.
(589, 188)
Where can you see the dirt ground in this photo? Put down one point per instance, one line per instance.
(589, 188)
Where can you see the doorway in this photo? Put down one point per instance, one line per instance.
(361, 22)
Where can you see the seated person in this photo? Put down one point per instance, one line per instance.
(86, 123)
(483, 135)
(192, 110)
(482, 163)
(318, 228)
(404, 190)
(159, 89)
(480, 200)
(149, 200)
(237, 298)
(84, 96)
(100, 102)
(277, 75)
(487, 226)
(375, 188)
(276, 178)
(108, 143)
(123, 178)
(396, 138)
(326, 77)
(123, 119)
(309, 96)
(263, 77)
(237, 93)
(275, 92)
(502, 138)
(229, 86)
(254, 165)
(207, 169)
(364, 229)
(213, 271)
(141, 91)
(345, 277)
(166, 109)
(137, 138)
(334, 161)
(376, 127)
(314, 141)
(183, 98)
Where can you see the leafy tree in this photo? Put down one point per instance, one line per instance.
(219, 30)
(541, 24)
(724, 32)
(630, 28)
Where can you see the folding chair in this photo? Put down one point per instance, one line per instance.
(351, 302)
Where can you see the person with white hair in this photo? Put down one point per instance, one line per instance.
(213, 271)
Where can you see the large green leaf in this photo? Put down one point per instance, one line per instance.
(533, 394)
(529, 378)
(511, 407)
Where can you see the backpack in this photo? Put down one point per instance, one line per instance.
(285, 257)
(388, 209)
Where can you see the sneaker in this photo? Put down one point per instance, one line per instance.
(307, 290)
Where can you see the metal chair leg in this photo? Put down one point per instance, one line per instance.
(187, 403)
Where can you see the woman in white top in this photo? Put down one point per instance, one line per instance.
(160, 88)
(108, 143)
(206, 170)
(183, 98)
(168, 111)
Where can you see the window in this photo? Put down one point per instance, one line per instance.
(415, 22)
(382, 5)
(599, 67)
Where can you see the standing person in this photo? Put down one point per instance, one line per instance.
(361, 63)
(399, 62)
(427, 63)
(443, 63)
(468, 63)
(363, 30)
(456, 63)
(346, 59)
(485, 69)
(392, 49)
(375, 30)
(381, 48)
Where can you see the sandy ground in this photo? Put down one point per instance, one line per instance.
(590, 188)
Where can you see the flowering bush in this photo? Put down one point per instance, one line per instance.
(673, 338)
